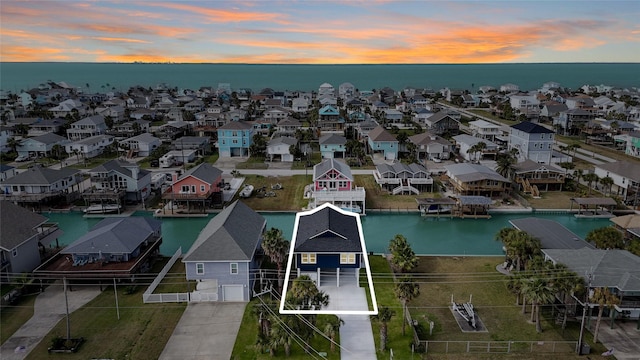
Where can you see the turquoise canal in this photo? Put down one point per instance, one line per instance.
(428, 236)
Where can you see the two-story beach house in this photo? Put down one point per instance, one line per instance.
(40, 146)
(87, 127)
(400, 178)
(532, 141)
(25, 237)
(484, 129)
(476, 180)
(234, 139)
(140, 145)
(89, 147)
(122, 175)
(224, 257)
(198, 189)
(280, 148)
(626, 179)
(40, 185)
(332, 146)
(382, 141)
(334, 183)
(329, 119)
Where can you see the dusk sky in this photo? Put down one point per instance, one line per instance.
(320, 32)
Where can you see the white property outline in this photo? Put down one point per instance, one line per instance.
(374, 302)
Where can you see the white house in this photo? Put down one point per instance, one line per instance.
(626, 179)
(117, 174)
(326, 89)
(484, 129)
(87, 127)
(89, 147)
(279, 147)
(141, 145)
(466, 142)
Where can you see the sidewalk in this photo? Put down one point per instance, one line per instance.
(48, 309)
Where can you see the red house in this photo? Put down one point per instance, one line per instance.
(198, 188)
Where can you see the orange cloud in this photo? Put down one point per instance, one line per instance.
(29, 54)
(226, 16)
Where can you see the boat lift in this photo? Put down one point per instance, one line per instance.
(465, 310)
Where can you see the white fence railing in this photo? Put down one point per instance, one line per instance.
(148, 294)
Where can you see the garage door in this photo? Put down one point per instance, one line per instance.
(232, 293)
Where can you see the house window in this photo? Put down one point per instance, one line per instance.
(184, 189)
(233, 268)
(193, 189)
(347, 258)
(308, 258)
(234, 141)
(201, 188)
(199, 268)
(14, 252)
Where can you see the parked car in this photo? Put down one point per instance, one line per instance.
(22, 158)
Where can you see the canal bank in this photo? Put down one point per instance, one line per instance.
(427, 235)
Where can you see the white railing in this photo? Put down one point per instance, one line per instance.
(164, 298)
(148, 294)
(197, 296)
(348, 195)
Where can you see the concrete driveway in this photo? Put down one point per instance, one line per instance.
(206, 330)
(48, 309)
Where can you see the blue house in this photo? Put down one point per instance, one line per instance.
(234, 139)
(329, 119)
(332, 146)
(223, 257)
(327, 243)
(382, 141)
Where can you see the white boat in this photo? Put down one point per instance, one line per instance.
(102, 208)
(353, 208)
(246, 191)
(437, 209)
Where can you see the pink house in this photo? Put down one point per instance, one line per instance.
(200, 186)
(332, 175)
(333, 183)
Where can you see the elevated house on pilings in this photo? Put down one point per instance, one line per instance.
(39, 187)
(195, 191)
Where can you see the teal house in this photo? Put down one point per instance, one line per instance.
(332, 146)
(383, 142)
(234, 139)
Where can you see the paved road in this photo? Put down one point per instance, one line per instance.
(49, 309)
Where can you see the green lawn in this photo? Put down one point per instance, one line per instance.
(14, 316)
(141, 332)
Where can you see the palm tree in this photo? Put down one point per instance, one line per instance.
(276, 247)
(406, 290)
(280, 336)
(603, 297)
(518, 245)
(566, 282)
(403, 258)
(539, 291)
(13, 143)
(590, 178)
(304, 295)
(515, 284)
(331, 330)
(606, 183)
(505, 165)
(384, 316)
(606, 238)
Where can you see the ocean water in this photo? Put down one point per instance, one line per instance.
(105, 76)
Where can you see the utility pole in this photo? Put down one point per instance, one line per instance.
(584, 313)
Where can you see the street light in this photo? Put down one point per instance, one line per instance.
(584, 314)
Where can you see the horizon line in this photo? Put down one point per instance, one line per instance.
(308, 64)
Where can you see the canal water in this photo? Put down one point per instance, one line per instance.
(428, 236)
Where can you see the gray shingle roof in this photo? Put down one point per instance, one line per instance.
(115, 235)
(551, 234)
(473, 172)
(327, 230)
(328, 164)
(397, 168)
(205, 172)
(232, 235)
(49, 138)
(610, 268)
(623, 168)
(236, 125)
(17, 224)
(530, 165)
(40, 176)
(122, 167)
(283, 140)
(381, 134)
(332, 139)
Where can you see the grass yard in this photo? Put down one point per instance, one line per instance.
(289, 198)
(142, 331)
(245, 346)
(441, 277)
(552, 200)
(14, 316)
(377, 198)
(383, 284)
